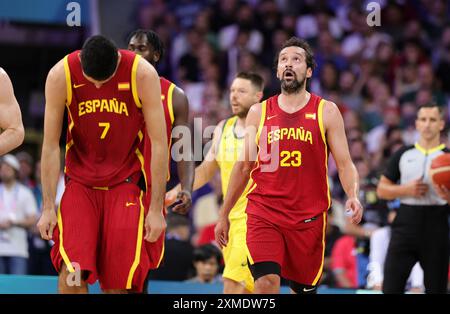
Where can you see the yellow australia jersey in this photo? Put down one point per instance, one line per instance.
(228, 152)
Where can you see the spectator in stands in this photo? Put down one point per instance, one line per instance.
(188, 64)
(243, 33)
(207, 261)
(350, 96)
(349, 262)
(407, 80)
(328, 80)
(374, 138)
(18, 213)
(26, 169)
(441, 60)
(389, 143)
(427, 82)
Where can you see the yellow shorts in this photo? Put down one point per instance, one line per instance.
(235, 255)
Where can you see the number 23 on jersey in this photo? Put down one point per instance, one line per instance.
(290, 159)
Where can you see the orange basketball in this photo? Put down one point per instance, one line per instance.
(440, 170)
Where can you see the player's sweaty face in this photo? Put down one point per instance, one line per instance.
(429, 122)
(141, 46)
(291, 63)
(242, 96)
(292, 70)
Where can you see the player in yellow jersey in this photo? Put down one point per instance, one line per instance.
(228, 140)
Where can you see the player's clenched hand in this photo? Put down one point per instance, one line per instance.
(355, 208)
(155, 224)
(47, 223)
(184, 202)
(221, 231)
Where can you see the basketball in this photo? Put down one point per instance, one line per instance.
(440, 170)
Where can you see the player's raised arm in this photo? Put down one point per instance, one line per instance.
(10, 117)
(337, 142)
(149, 92)
(55, 99)
(240, 173)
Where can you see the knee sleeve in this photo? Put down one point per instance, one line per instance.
(265, 268)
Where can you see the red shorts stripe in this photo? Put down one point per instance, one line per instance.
(139, 235)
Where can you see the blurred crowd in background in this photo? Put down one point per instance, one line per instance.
(377, 75)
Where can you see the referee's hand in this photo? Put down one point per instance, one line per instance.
(416, 188)
(354, 207)
(442, 191)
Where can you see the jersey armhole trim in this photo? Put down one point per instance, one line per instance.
(320, 118)
(261, 121)
(68, 80)
(170, 102)
(137, 101)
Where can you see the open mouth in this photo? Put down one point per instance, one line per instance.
(288, 75)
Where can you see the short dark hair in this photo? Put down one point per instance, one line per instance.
(431, 105)
(253, 77)
(153, 39)
(297, 42)
(206, 251)
(99, 57)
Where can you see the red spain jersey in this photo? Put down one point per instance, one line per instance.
(104, 137)
(167, 88)
(290, 177)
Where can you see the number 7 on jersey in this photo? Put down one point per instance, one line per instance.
(106, 126)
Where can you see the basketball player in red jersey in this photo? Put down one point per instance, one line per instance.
(176, 109)
(109, 95)
(287, 205)
(10, 117)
